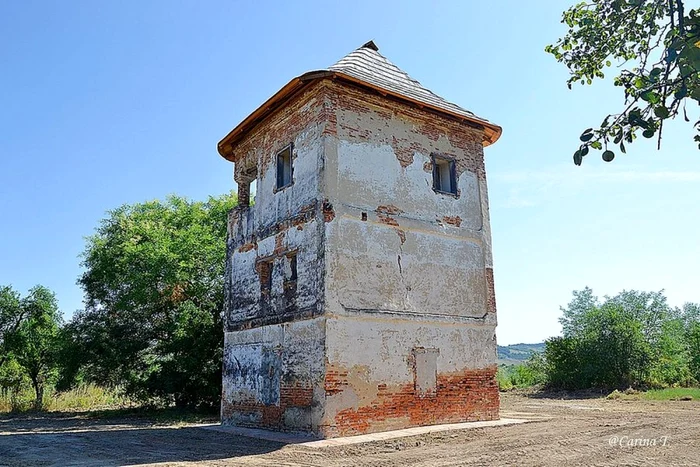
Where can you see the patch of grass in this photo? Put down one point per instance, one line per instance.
(95, 402)
(83, 398)
(668, 394)
(503, 379)
(671, 394)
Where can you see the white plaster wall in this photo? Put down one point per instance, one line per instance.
(369, 175)
(431, 272)
(423, 265)
(271, 206)
(376, 349)
(383, 345)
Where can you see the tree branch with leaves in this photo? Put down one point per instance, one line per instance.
(656, 46)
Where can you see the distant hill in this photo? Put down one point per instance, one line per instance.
(517, 353)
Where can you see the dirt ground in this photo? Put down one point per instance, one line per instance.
(565, 432)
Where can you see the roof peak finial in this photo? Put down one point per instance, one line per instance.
(370, 45)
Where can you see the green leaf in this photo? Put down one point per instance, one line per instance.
(608, 156)
(651, 97)
(661, 112)
(654, 74)
(681, 93)
(578, 158)
(596, 145)
(586, 136)
(648, 133)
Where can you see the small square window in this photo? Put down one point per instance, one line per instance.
(284, 167)
(444, 175)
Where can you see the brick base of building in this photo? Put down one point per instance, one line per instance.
(471, 395)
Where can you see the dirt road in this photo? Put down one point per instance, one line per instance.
(566, 432)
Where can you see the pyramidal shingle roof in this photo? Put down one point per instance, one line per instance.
(367, 67)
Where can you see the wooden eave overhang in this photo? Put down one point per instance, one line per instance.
(225, 147)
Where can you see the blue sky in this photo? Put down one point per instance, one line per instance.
(105, 103)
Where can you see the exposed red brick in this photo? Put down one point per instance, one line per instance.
(260, 145)
(385, 212)
(328, 212)
(388, 220)
(464, 137)
(388, 209)
(296, 394)
(490, 292)
(469, 395)
(452, 220)
(402, 235)
(335, 381)
(247, 247)
(280, 246)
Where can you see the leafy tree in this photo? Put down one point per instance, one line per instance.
(32, 341)
(694, 350)
(566, 364)
(691, 320)
(656, 46)
(572, 320)
(153, 286)
(632, 339)
(11, 314)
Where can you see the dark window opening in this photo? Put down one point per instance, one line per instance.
(284, 167)
(364, 216)
(290, 280)
(265, 273)
(292, 261)
(444, 175)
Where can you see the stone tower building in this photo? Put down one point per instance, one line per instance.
(359, 286)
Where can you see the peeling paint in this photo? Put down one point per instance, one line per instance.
(333, 345)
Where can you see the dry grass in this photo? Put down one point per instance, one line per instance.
(83, 398)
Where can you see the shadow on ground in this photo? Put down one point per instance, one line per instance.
(73, 440)
(562, 395)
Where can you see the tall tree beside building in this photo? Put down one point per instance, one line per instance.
(153, 286)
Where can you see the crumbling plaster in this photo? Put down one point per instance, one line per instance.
(385, 265)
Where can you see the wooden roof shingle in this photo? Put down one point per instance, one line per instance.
(367, 67)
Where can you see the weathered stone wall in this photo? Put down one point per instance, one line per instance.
(282, 222)
(390, 320)
(409, 284)
(274, 376)
(274, 348)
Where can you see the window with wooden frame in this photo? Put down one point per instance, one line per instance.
(284, 167)
(444, 174)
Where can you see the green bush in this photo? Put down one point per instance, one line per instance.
(524, 375)
(633, 339)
